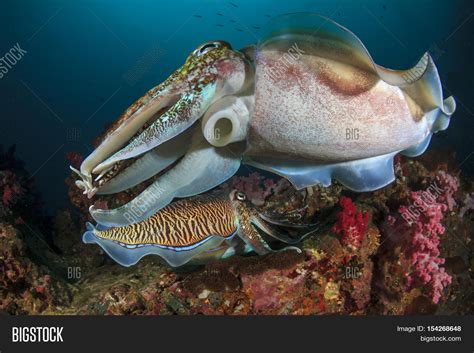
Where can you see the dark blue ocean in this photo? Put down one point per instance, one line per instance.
(85, 62)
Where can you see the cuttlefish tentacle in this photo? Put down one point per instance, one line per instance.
(248, 217)
(264, 226)
(197, 228)
(126, 126)
(148, 165)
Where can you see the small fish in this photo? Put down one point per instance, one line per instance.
(231, 3)
(219, 14)
(268, 16)
(255, 27)
(219, 25)
(232, 21)
(239, 30)
(198, 16)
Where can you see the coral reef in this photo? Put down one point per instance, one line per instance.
(351, 224)
(27, 283)
(17, 190)
(25, 286)
(419, 240)
(404, 249)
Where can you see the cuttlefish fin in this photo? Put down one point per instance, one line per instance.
(322, 37)
(439, 120)
(423, 91)
(418, 149)
(174, 256)
(360, 175)
(201, 169)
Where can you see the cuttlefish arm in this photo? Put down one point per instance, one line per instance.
(271, 231)
(177, 119)
(126, 126)
(250, 235)
(209, 77)
(248, 219)
(202, 168)
(148, 165)
(212, 71)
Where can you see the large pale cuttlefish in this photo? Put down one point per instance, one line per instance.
(307, 102)
(195, 230)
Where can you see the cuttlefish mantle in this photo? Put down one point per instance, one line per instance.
(306, 102)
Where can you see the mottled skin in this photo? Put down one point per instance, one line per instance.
(197, 83)
(320, 100)
(189, 91)
(196, 71)
(247, 231)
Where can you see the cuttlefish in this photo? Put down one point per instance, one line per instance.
(194, 231)
(307, 103)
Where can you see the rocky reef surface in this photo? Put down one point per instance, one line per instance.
(404, 249)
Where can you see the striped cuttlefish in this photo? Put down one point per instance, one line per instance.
(307, 102)
(194, 231)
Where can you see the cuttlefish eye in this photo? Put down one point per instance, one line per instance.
(207, 47)
(240, 196)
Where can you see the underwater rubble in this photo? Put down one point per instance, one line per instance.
(27, 283)
(404, 249)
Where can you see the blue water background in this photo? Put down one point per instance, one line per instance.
(86, 61)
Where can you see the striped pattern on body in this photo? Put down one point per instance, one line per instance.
(180, 224)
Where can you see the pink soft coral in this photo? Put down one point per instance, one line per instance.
(351, 224)
(445, 186)
(421, 247)
(419, 228)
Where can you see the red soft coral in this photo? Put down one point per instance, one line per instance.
(351, 224)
